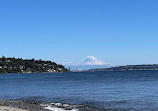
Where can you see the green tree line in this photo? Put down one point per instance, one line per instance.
(19, 65)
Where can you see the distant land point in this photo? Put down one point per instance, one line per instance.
(19, 65)
(128, 68)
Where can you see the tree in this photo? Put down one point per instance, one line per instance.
(2, 70)
(3, 58)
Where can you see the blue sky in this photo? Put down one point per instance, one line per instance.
(116, 31)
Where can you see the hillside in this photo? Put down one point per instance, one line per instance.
(128, 68)
(19, 65)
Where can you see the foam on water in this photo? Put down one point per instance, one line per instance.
(59, 107)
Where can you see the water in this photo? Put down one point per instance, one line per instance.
(135, 90)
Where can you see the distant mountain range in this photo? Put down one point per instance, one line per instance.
(128, 68)
(89, 63)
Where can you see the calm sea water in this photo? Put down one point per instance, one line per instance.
(136, 90)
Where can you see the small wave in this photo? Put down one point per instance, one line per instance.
(60, 107)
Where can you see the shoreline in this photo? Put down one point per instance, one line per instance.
(27, 105)
(8, 108)
(80, 71)
(31, 105)
(34, 73)
(20, 105)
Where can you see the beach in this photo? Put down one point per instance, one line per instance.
(20, 105)
(8, 108)
(27, 105)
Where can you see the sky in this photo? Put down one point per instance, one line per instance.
(116, 31)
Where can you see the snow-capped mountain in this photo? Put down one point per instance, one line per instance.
(90, 60)
(89, 63)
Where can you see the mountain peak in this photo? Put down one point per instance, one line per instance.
(91, 57)
(90, 60)
(88, 63)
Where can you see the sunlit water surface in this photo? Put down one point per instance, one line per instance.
(135, 90)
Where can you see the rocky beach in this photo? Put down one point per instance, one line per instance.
(27, 105)
(20, 105)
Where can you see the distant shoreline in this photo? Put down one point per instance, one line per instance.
(147, 67)
(80, 71)
(35, 73)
